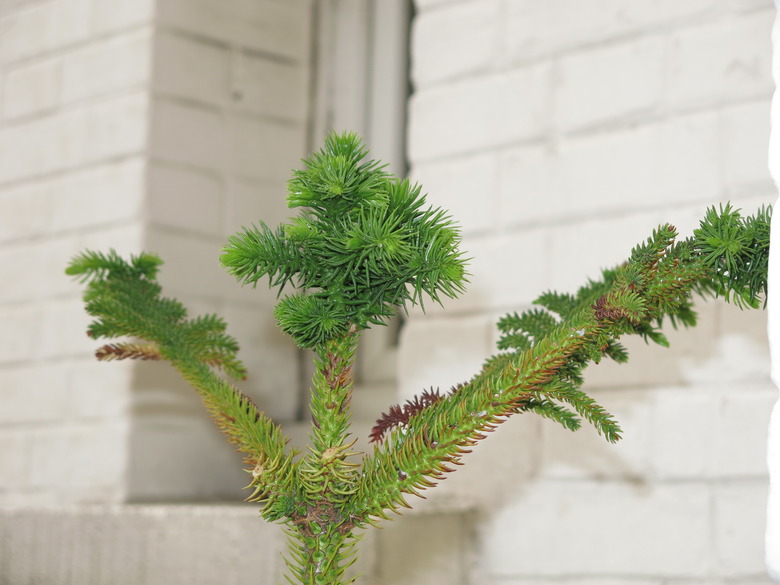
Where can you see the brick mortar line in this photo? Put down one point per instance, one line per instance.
(225, 108)
(88, 103)
(56, 174)
(213, 41)
(641, 33)
(555, 136)
(62, 51)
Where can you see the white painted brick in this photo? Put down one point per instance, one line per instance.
(229, 78)
(460, 39)
(584, 454)
(32, 89)
(610, 241)
(535, 29)
(15, 457)
(530, 191)
(652, 365)
(176, 57)
(739, 442)
(739, 354)
(98, 390)
(270, 356)
(108, 129)
(720, 62)
(424, 550)
(252, 201)
(241, 145)
(35, 271)
(182, 456)
(263, 150)
(33, 393)
(477, 114)
(423, 5)
(84, 456)
(610, 83)
(117, 63)
(179, 134)
(280, 28)
(494, 470)
(117, 127)
(174, 190)
(739, 525)
(269, 87)
(684, 432)
(502, 273)
(441, 353)
(62, 327)
(43, 146)
(44, 27)
(109, 16)
(95, 196)
(24, 323)
(465, 187)
(745, 139)
(664, 163)
(599, 528)
(191, 264)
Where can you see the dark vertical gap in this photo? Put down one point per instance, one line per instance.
(303, 358)
(400, 316)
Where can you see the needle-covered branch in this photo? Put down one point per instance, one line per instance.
(125, 300)
(548, 349)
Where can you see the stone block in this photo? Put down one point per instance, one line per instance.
(179, 133)
(192, 269)
(441, 353)
(587, 529)
(739, 519)
(186, 199)
(745, 139)
(112, 65)
(441, 34)
(740, 436)
(44, 27)
(109, 16)
(32, 89)
(101, 195)
(530, 191)
(34, 393)
(179, 55)
(15, 459)
(721, 62)
(271, 357)
(477, 114)
(586, 455)
(615, 84)
(425, 550)
(540, 29)
(683, 433)
(278, 28)
(463, 186)
(175, 456)
(262, 149)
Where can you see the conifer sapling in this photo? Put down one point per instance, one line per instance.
(363, 245)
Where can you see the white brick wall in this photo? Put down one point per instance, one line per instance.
(561, 133)
(136, 125)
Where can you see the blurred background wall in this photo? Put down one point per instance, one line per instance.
(558, 133)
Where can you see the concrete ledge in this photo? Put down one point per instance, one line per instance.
(138, 545)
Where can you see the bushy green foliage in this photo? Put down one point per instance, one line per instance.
(363, 244)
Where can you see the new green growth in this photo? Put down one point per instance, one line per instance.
(364, 245)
